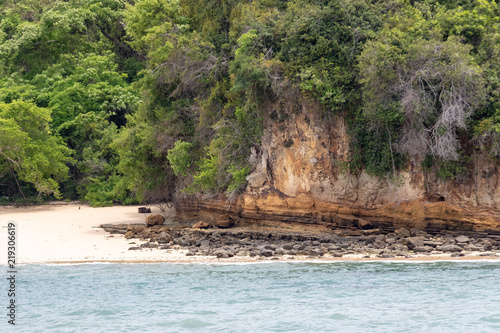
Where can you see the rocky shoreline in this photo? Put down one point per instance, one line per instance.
(275, 244)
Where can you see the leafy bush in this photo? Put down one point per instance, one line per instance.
(180, 157)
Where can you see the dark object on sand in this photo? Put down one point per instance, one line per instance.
(144, 210)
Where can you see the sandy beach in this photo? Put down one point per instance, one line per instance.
(71, 234)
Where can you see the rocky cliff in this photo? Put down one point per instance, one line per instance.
(301, 175)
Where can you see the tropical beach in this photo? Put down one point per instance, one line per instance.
(250, 166)
(71, 233)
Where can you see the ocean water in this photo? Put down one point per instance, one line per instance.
(264, 297)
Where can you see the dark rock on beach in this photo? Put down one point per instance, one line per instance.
(155, 220)
(237, 241)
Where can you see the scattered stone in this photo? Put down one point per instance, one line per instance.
(266, 245)
(133, 248)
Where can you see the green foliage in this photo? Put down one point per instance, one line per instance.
(150, 23)
(371, 149)
(210, 17)
(180, 157)
(320, 43)
(107, 192)
(454, 170)
(83, 83)
(434, 86)
(153, 97)
(247, 71)
(239, 178)
(206, 178)
(28, 150)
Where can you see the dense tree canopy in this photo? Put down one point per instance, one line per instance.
(116, 101)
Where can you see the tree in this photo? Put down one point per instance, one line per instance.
(435, 85)
(28, 150)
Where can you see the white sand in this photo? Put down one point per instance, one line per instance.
(69, 234)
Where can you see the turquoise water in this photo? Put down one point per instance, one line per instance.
(265, 297)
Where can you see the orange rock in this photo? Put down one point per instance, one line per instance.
(201, 225)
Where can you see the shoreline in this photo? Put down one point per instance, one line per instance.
(70, 234)
(417, 259)
(249, 261)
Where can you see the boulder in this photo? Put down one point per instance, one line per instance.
(266, 253)
(402, 233)
(138, 228)
(205, 245)
(129, 234)
(462, 239)
(147, 233)
(424, 248)
(221, 253)
(449, 248)
(154, 220)
(201, 225)
(414, 242)
(164, 237)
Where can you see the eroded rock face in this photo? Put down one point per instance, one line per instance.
(224, 222)
(301, 175)
(307, 154)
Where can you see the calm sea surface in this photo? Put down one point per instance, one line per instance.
(265, 297)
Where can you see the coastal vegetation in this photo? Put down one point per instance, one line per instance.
(122, 101)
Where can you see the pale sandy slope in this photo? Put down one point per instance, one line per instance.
(67, 233)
